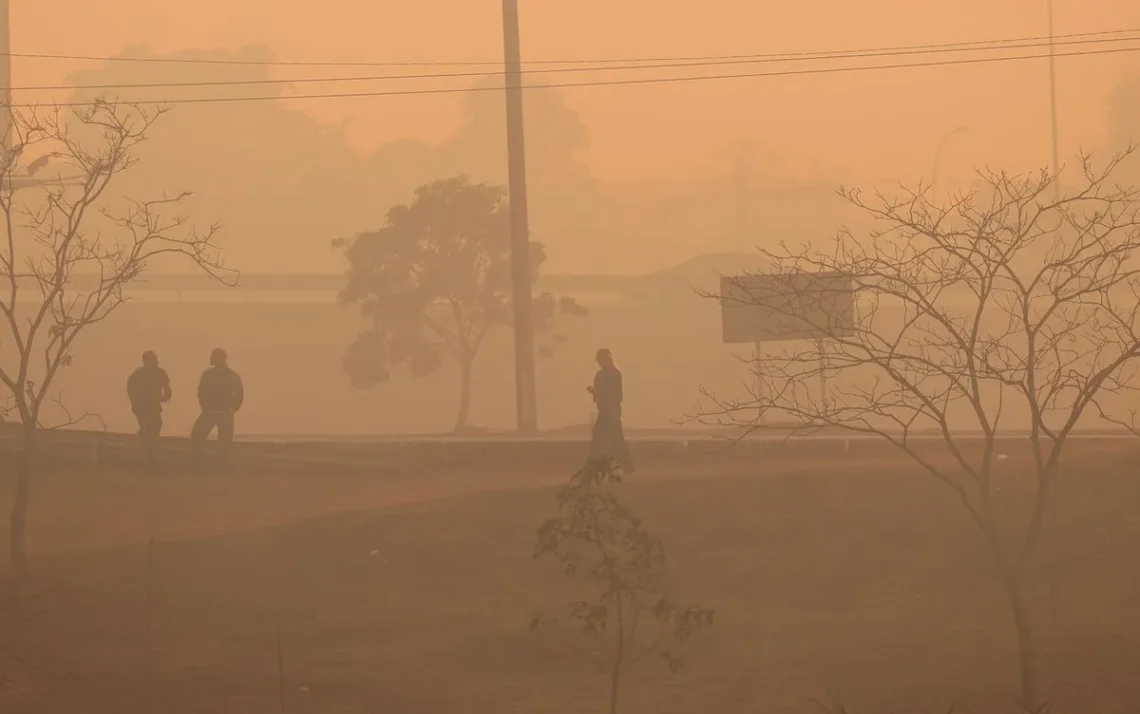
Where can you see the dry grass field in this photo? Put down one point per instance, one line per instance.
(411, 593)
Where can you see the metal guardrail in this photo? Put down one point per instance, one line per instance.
(97, 450)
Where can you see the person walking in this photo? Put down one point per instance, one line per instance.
(148, 388)
(220, 396)
(608, 438)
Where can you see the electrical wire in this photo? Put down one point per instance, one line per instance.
(613, 82)
(759, 59)
(693, 58)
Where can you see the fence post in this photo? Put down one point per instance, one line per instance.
(93, 455)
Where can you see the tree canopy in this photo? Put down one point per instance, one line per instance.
(434, 281)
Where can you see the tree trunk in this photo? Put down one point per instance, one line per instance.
(615, 682)
(465, 364)
(1028, 667)
(19, 519)
(619, 657)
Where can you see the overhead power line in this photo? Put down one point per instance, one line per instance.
(475, 63)
(615, 82)
(676, 64)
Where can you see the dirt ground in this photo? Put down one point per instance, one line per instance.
(859, 578)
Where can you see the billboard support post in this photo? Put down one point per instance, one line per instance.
(824, 399)
(779, 307)
(758, 377)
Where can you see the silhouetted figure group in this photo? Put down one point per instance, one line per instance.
(220, 396)
(608, 438)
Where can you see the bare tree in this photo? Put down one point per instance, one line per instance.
(1006, 304)
(70, 252)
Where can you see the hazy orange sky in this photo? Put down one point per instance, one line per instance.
(866, 126)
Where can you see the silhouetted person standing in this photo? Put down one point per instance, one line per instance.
(220, 395)
(148, 388)
(608, 439)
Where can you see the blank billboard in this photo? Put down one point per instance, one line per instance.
(786, 306)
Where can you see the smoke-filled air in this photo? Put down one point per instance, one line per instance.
(498, 355)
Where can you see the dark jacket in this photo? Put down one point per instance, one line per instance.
(148, 388)
(220, 389)
(607, 392)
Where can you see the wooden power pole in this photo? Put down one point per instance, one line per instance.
(1053, 104)
(525, 397)
(5, 74)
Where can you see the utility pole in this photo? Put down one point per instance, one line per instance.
(5, 74)
(525, 398)
(1053, 105)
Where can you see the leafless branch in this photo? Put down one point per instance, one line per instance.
(71, 252)
(70, 419)
(1005, 302)
(1002, 301)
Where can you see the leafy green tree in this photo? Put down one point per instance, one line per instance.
(434, 281)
